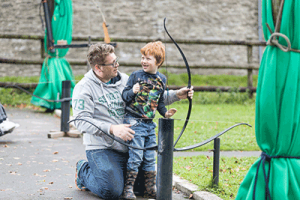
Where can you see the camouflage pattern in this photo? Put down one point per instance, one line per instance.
(146, 100)
(129, 183)
(150, 184)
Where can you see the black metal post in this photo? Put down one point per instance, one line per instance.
(50, 43)
(65, 106)
(216, 163)
(165, 159)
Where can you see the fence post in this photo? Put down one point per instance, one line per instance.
(65, 114)
(250, 71)
(65, 106)
(216, 164)
(165, 159)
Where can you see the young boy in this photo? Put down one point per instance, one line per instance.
(143, 95)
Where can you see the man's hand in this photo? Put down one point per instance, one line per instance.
(170, 113)
(136, 88)
(122, 131)
(183, 93)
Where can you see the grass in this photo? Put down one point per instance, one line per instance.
(173, 79)
(208, 120)
(14, 97)
(20, 79)
(232, 97)
(198, 170)
(208, 80)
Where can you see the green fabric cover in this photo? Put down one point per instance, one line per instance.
(277, 126)
(55, 67)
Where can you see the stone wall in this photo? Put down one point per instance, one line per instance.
(186, 19)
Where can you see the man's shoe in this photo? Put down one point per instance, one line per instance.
(78, 183)
(8, 126)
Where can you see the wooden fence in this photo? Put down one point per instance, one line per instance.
(250, 66)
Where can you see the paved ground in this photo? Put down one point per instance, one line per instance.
(35, 167)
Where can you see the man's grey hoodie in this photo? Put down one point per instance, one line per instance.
(102, 105)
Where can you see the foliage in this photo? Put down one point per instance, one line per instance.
(199, 170)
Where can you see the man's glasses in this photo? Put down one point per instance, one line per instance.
(114, 64)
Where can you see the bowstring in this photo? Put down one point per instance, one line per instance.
(167, 74)
(103, 18)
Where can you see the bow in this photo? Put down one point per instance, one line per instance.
(189, 83)
(190, 105)
(104, 26)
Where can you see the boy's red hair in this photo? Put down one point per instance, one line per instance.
(157, 50)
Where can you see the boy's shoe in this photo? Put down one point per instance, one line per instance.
(78, 183)
(129, 184)
(150, 184)
(8, 126)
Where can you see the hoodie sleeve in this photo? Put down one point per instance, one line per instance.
(127, 93)
(83, 108)
(170, 97)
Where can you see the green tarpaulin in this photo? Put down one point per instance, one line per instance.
(55, 67)
(277, 123)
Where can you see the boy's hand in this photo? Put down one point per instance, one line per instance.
(183, 93)
(136, 88)
(170, 113)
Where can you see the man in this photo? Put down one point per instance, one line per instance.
(97, 98)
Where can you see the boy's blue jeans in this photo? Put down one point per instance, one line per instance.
(104, 172)
(144, 137)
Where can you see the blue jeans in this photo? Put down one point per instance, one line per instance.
(144, 137)
(104, 172)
